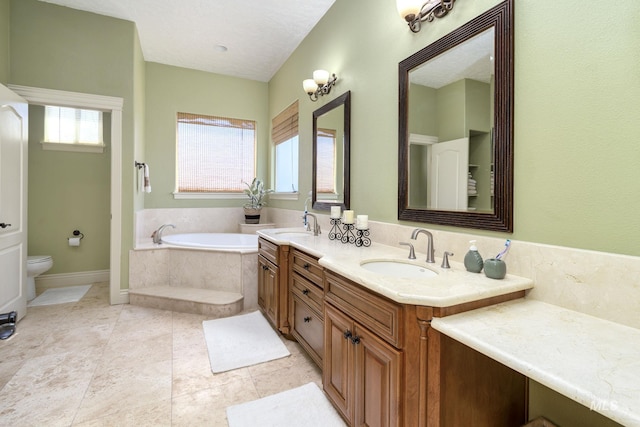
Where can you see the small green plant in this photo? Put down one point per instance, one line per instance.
(257, 194)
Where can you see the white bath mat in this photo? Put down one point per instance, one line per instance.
(303, 406)
(60, 295)
(239, 341)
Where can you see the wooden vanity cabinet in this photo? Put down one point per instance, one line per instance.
(362, 372)
(306, 315)
(385, 366)
(273, 295)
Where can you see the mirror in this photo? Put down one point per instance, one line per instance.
(455, 151)
(331, 132)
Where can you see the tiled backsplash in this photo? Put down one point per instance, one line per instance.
(601, 284)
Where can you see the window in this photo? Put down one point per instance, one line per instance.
(215, 154)
(284, 134)
(326, 174)
(72, 129)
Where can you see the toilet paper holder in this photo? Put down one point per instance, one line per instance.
(75, 241)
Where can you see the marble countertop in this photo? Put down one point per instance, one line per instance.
(450, 287)
(590, 360)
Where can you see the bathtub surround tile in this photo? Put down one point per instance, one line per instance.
(250, 281)
(220, 271)
(212, 304)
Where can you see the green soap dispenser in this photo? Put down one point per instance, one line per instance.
(473, 260)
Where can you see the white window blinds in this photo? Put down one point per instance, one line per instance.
(215, 154)
(72, 125)
(326, 155)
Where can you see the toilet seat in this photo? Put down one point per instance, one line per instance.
(37, 259)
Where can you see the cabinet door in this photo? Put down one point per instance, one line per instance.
(337, 373)
(377, 381)
(308, 329)
(268, 289)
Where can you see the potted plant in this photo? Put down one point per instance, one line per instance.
(257, 199)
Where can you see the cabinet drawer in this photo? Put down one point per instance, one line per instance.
(307, 266)
(378, 314)
(307, 292)
(309, 327)
(268, 250)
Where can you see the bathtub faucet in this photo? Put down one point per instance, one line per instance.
(157, 235)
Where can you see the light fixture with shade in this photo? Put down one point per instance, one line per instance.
(415, 12)
(319, 85)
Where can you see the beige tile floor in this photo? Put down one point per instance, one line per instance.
(92, 364)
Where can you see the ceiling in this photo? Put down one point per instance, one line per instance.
(259, 34)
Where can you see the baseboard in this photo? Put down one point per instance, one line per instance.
(61, 280)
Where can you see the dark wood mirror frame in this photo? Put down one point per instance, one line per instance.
(501, 18)
(342, 100)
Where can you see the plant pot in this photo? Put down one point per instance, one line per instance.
(252, 215)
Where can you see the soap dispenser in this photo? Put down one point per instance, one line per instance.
(472, 260)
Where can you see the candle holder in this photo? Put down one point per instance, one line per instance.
(348, 236)
(335, 233)
(362, 237)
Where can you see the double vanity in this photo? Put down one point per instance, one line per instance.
(364, 315)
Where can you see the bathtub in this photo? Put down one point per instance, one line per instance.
(222, 241)
(225, 262)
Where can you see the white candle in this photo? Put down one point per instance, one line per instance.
(335, 212)
(348, 217)
(362, 222)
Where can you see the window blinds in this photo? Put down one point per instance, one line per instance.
(285, 125)
(326, 157)
(215, 154)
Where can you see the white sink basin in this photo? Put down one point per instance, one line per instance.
(292, 233)
(398, 269)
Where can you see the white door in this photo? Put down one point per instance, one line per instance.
(13, 202)
(449, 174)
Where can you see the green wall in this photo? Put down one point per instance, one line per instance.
(4, 40)
(170, 90)
(68, 191)
(60, 48)
(576, 112)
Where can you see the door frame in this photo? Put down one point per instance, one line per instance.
(113, 105)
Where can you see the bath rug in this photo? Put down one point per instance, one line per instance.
(243, 340)
(60, 295)
(302, 406)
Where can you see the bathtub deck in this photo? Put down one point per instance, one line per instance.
(214, 304)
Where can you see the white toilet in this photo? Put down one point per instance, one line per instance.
(36, 265)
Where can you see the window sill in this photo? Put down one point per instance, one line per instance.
(194, 195)
(284, 196)
(78, 148)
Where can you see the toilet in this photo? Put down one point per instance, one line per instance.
(36, 265)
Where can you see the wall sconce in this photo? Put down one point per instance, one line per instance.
(415, 12)
(319, 85)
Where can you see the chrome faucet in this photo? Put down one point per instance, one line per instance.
(430, 250)
(316, 226)
(157, 235)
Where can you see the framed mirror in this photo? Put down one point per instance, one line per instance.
(331, 154)
(455, 141)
